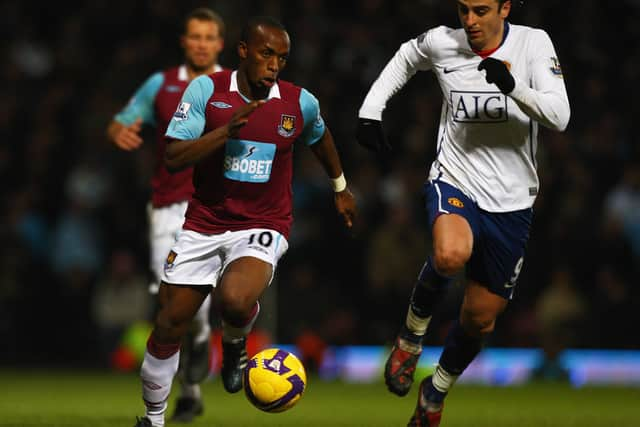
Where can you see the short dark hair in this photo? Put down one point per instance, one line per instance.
(255, 22)
(205, 14)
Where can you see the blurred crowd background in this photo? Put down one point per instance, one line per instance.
(73, 258)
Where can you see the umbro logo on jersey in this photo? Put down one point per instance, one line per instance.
(220, 104)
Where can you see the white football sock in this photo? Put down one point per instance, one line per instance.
(442, 380)
(416, 324)
(157, 377)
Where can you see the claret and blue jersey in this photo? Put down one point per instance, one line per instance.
(246, 184)
(155, 102)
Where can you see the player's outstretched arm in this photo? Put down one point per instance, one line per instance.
(125, 137)
(181, 154)
(412, 56)
(325, 151)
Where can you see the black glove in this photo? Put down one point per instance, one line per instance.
(371, 136)
(498, 73)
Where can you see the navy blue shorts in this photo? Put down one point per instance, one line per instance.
(499, 239)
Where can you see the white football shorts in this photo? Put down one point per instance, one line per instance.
(200, 259)
(165, 224)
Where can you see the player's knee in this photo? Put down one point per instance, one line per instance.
(235, 305)
(449, 261)
(477, 323)
(171, 326)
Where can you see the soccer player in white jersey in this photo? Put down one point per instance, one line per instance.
(499, 82)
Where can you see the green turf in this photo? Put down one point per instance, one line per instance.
(101, 400)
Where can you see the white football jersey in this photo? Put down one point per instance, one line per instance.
(487, 141)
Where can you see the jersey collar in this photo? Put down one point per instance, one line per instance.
(488, 52)
(274, 92)
(182, 73)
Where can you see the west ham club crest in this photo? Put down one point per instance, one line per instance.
(287, 125)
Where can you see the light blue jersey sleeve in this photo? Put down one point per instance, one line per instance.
(313, 123)
(189, 119)
(141, 103)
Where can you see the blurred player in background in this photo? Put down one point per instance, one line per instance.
(499, 81)
(153, 104)
(238, 129)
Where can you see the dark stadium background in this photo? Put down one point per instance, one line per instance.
(73, 206)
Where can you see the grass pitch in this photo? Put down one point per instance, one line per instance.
(74, 399)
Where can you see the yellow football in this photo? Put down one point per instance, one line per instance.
(274, 380)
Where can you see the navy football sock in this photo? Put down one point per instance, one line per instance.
(459, 350)
(428, 290)
(432, 394)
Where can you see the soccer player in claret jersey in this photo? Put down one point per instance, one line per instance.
(238, 129)
(499, 82)
(153, 104)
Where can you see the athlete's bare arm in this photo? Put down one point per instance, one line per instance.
(125, 137)
(325, 151)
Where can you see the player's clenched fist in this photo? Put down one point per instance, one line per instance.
(498, 73)
(127, 137)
